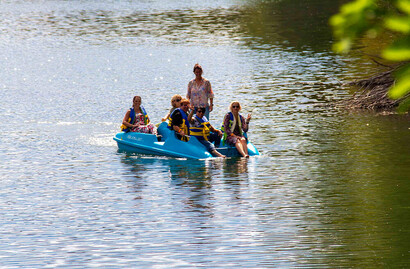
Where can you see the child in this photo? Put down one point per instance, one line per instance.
(204, 131)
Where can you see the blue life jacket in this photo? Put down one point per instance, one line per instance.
(185, 123)
(131, 119)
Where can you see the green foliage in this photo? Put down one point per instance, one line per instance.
(398, 51)
(370, 17)
(404, 106)
(398, 24)
(402, 84)
(355, 19)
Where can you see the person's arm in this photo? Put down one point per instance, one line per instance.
(190, 116)
(176, 121)
(210, 94)
(176, 128)
(179, 130)
(245, 123)
(166, 117)
(213, 129)
(226, 126)
(188, 93)
(125, 120)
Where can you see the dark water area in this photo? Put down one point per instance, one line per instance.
(330, 188)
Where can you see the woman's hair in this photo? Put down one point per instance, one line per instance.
(185, 101)
(234, 102)
(198, 66)
(175, 97)
(136, 96)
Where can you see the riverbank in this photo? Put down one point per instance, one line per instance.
(372, 93)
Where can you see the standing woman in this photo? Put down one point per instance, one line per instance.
(200, 91)
(234, 126)
(136, 119)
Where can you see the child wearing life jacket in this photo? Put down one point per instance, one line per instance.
(204, 131)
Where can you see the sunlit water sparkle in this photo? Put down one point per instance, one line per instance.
(330, 188)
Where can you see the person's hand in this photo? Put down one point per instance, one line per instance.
(249, 118)
(211, 107)
(220, 133)
(182, 133)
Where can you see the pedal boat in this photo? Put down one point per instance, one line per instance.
(169, 145)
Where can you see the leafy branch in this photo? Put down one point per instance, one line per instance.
(370, 18)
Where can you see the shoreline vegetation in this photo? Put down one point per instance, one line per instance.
(372, 93)
(373, 19)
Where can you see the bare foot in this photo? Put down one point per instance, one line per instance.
(218, 154)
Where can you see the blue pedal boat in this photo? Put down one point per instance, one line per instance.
(171, 146)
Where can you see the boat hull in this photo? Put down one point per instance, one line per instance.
(140, 143)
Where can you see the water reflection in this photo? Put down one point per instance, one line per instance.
(301, 25)
(193, 179)
(232, 167)
(354, 207)
(259, 24)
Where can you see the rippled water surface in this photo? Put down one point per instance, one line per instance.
(330, 189)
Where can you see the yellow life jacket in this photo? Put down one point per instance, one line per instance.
(203, 130)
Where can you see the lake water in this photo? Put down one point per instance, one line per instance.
(330, 189)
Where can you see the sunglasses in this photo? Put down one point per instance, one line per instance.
(200, 111)
(235, 106)
(177, 100)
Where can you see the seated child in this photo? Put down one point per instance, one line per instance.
(204, 131)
